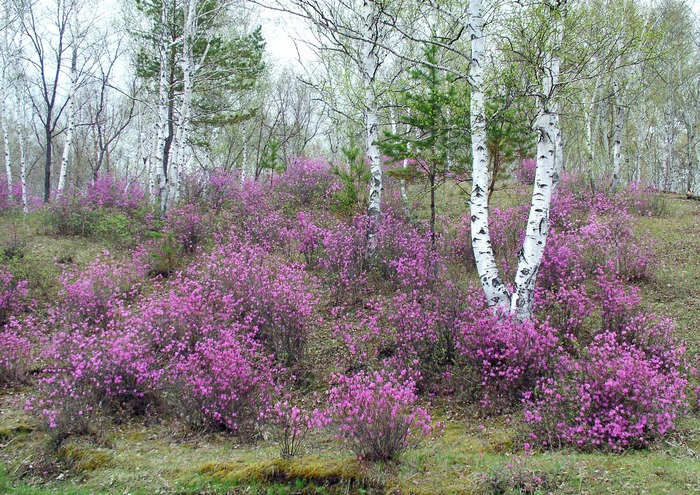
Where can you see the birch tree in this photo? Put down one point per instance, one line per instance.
(197, 64)
(355, 30)
(70, 128)
(520, 301)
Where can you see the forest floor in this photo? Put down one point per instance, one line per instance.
(474, 454)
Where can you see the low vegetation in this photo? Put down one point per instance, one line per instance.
(247, 343)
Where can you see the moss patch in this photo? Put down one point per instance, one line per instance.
(321, 471)
(83, 458)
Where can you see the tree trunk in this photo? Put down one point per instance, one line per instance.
(71, 124)
(158, 159)
(187, 62)
(617, 147)
(22, 158)
(546, 179)
(369, 73)
(6, 140)
(495, 290)
(48, 140)
(552, 85)
(538, 220)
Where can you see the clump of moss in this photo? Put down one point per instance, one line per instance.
(82, 458)
(9, 432)
(325, 472)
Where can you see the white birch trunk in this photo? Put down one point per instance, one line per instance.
(5, 133)
(617, 144)
(6, 140)
(181, 135)
(546, 179)
(150, 160)
(71, 123)
(552, 86)
(617, 148)
(22, 157)
(522, 301)
(157, 160)
(495, 290)
(369, 73)
(590, 123)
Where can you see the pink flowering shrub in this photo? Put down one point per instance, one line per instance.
(12, 295)
(456, 244)
(642, 200)
(405, 257)
(108, 209)
(616, 396)
(274, 295)
(426, 332)
(222, 188)
(226, 382)
(253, 216)
(93, 293)
(92, 372)
(292, 423)
(15, 355)
(309, 236)
(508, 356)
(7, 201)
(375, 413)
(306, 182)
(343, 259)
(189, 226)
(507, 229)
(109, 193)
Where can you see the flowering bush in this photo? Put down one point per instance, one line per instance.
(93, 293)
(426, 331)
(6, 200)
(404, 255)
(107, 209)
(376, 414)
(343, 259)
(109, 193)
(12, 293)
(225, 382)
(189, 226)
(273, 294)
(15, 355)
(92, 372)
(292, 424)
(510, 356)
(616, 396)
(306, 182)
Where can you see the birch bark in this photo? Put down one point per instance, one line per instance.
(617, 145)
(71, 122)
(369, 74)
(546, 179)
(188, 71)
(494, 288)
(158, 160)
(5, 132)
(22, 158)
